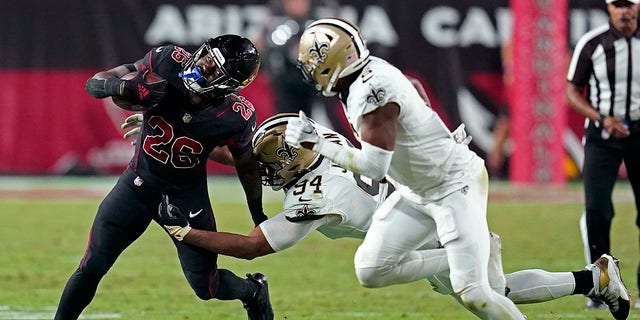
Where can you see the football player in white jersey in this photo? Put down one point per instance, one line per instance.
(322, 196)
(406, 140)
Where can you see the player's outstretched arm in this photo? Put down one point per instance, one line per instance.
(230, 244)
(245, 247)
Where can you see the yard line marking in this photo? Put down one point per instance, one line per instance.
(44, 313)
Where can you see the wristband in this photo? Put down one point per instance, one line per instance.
(102, 88)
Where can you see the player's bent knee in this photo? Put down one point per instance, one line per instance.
(203, 294)
(371, 277)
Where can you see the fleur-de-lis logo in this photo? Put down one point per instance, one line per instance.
(319, 50)
(376, 96)
(303, 214)
(287, 152)
(305, 211)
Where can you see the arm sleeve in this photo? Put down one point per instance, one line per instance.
(282, 234)
(370, 161)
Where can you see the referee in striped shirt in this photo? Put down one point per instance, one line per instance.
(604, 86)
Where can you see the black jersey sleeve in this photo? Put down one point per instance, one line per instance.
(245, 114)
(166, 61)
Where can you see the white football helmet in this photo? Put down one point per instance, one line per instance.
(280, 164)
(330, 49)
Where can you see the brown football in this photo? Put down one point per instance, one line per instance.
(150, 77)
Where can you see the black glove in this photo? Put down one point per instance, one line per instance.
(139, 91)
(172, 219)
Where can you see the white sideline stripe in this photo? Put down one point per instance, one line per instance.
(38, 313)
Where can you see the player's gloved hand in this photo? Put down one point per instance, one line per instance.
(137, 90)
(460, 135)
(135, 121)
(300, 131)
(172, 219)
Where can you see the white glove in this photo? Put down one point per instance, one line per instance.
(300, 130)
(460, 135)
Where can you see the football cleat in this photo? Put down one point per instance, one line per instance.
(259, 306)
(595, 304)
(608, 286)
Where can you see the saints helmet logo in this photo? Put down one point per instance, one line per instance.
(319, 50)
(287, 152)
(376, 96)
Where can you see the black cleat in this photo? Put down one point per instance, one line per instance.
(259, 306)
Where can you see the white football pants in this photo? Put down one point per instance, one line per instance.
(390, 253)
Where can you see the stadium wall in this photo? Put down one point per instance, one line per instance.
(49, 125)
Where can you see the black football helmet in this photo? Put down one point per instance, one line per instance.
(236, 58)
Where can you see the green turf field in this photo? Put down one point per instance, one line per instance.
(42, 241)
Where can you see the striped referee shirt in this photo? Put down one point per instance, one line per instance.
(609, 65)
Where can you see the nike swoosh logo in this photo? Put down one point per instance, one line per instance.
(193, 215)
(301, 199)
(159, 49)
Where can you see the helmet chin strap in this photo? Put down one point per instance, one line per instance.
(328, 91)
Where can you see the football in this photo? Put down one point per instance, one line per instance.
(150, 77)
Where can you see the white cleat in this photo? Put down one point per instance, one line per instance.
(608, 286)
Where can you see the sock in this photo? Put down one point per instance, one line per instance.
(233, 287)
(584, 282)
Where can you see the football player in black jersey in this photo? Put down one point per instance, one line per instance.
(188, 117)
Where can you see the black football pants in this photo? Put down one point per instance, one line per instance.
(601, 165)
(122, 217)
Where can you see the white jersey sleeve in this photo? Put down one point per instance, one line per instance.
(329, 199)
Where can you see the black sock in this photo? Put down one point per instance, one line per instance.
(232, 287)
(584, 281)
